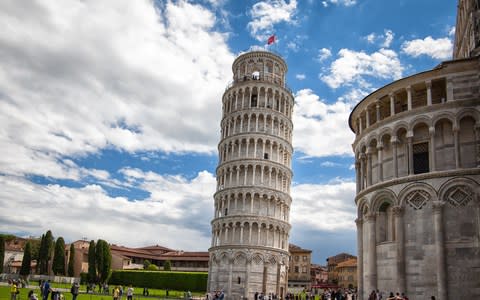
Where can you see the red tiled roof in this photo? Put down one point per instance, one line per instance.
(295, 248)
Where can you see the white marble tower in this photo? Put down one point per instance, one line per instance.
(250, 229)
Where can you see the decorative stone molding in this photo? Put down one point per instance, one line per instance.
(398, 210)
(417, 199)
(437, 206)
(459, 195)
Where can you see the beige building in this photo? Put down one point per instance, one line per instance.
(417, 151)
(332, 263)
(250, 229)
(346, 273)
(318, 274)
(299, 267)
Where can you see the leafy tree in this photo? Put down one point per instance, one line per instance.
(167, 265)
(71, 261)
(27, 260)
(146, 263)
(58, 266)
(40, 255)
(103, 260)
(92, 272)
(2, 252)
(45, 252)
(35, 248)
(152, 267)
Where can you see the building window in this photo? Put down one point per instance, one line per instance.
(296, 257)
(420, 158)
(226, 211)
(239, 280)
(253, 102)
(265, 155)
(304, 258)
(296, 269)
(304, 269)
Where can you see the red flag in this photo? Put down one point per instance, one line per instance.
(271, 40)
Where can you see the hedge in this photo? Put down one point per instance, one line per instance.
(180, 281)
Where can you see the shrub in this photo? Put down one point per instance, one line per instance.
(181, 281)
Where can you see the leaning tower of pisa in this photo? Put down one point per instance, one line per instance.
(250, 228)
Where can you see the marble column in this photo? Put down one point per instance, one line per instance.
(377, 106)
(362, 170)
(394, 142)
(432, 155)
(409, 97)
(369, 166)
(428, 84)
(380, 161)
(410, 152)
(449, 89)
(392, 104)
(457, 147)
(367, 118)
(398, 212)
(440, 250)
(359, 223)
(371, 277)
(358, 176)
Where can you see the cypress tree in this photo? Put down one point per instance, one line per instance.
(104, 260)
(2, 252)
(58, 265)
(41, 255)
(71, 261)
(27, 260)
(92, 273)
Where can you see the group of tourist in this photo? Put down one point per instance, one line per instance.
(216, 295)
(378, 295)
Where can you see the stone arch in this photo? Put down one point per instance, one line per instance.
(419, 119)
(445, 115)
(417, 195)
(379, 198)
(459, 191)
(468, 112)
(363, 207)
(399, 126)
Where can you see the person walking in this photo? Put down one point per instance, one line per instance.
(46, 290)
(130, 292)
(13, 291)
(75, 290)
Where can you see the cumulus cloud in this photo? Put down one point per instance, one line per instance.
(78, 77)
(339, 2)
(435, 48)
(324, 207)
(176, 207)
(300, 76)
(388, 38)
(353, 66)
(384, 40)
(265, 14)
(315, 120)
(323, 54)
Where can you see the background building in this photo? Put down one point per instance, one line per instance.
(332, 263)
(417, 150)
(318, 274)
(346, 273)
(299, 267)
(250, 228)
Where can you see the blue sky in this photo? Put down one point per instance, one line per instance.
(110, 111)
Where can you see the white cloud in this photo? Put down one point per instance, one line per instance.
(300, 76)
(352, 66)
(78, 77)
(315, 120)
(451, 31)
(384, 40)
(325, 207)
(388, 38)
(323, 54)
(176, 207)
(265, 14)
(371, 38)
(339, 2)
(329, 164)
(436, 48)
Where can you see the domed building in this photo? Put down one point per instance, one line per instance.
(417, 159)
(250, 230)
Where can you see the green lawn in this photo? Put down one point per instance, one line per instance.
(154, 294)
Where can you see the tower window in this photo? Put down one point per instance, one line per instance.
(226, 211)
(420, 158)
(239, 280)
(265, 155)
(253, 102)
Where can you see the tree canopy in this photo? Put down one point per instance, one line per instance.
(58, 266)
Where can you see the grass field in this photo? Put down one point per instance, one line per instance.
(154, 294)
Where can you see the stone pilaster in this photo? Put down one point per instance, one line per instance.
(440, 250)
(359, 223)
(371, 277)
(398, 212)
